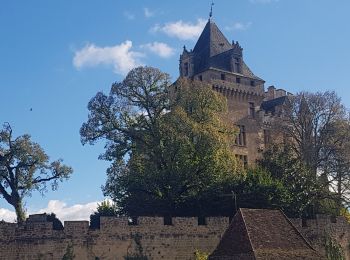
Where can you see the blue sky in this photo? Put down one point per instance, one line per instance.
(55, 56)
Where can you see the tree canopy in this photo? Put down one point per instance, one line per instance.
(170, 149)
(167, 144)
(313, 158)
(25, 167)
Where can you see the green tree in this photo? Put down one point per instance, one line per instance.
(25, 167)
(105, 209)
(281, 162)
(165, 152)
(254, 189)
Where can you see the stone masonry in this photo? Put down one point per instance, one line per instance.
(116, 239)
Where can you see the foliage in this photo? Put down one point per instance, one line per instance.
(201, 255)
(105, 209)
(69, 254)
(25, 167)
(284, 166)
(165, 152)
(254, 189)
(333, 250)
(56, 223)
(345, 213)
(316, 128)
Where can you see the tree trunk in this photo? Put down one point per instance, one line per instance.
(20, 213)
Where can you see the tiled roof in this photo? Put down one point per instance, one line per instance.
(263, 234)
(271, 104)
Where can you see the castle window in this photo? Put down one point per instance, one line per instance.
(241, 137)
(168, 221)
(237, 65)
(251, 110)
(223, 77)
(243, 159)
(202, 221)
(200, 77)
(238, 80)
(252, 83)
(186, 68)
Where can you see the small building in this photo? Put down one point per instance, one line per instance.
(263, 234)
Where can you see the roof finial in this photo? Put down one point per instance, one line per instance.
(211, 9)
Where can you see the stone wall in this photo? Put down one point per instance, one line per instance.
(316, 231)
(116, 238)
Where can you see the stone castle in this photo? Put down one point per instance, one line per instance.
(218, 62)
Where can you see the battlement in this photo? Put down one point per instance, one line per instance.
(159, 238)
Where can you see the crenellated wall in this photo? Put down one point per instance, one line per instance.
(116, 238)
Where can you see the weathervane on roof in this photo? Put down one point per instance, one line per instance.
(211, 9)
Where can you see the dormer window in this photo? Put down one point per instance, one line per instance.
(186, 69)
(252, 83)
(238, 80)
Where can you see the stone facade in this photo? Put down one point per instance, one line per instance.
(219, 63)
(115, 239)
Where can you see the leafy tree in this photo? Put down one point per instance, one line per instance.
(283, 165)
(25, 167)
(56, 223)
(105, 209)
(315, 128)
(254, 189)
(165, 152)
(309, 124)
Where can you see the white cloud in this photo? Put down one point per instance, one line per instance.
(60, 208)
(75, 212)
(263, 1)
(181, 30)
(129, 16)
(7, 215)
(238, 26)
(148, 13)
(159, 48)
(119, 56)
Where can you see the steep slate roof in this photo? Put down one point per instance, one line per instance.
(263, 234)
(270, 105)
(213, 50)
(211, 42)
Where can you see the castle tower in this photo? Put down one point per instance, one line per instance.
(220, 63)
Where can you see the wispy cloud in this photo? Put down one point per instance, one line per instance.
(263, 1)
(148, 13)
(60, 208)
(159, 48)
(180, 29)
(121, 57)
(128, 15)
(238, 26)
